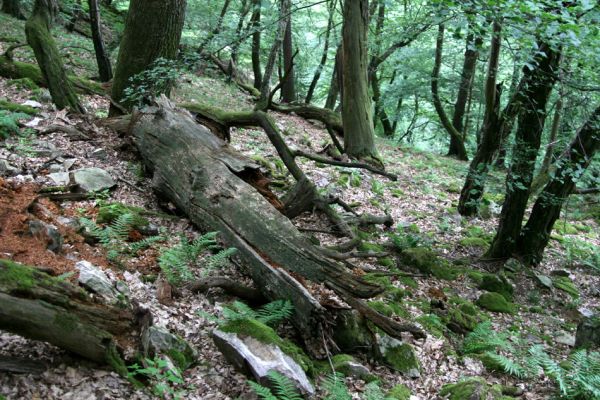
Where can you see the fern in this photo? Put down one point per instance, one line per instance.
(9, 122)
(510, 366)
(484, 338)
(283, 388)
(336, 388)
(373, 392)
(270, 314)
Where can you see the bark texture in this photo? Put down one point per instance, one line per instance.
(37, 30)
(288, 86)
(102, 58)
(256, 36)
(152, 31)
(356, 104)
(532, 117)
(546, 210)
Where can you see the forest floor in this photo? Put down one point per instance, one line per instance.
(422, 203)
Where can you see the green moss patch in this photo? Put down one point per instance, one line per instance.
(497, 284)
(110, 212)
(565, 284)
(402, 358)
(495, 302)
(474, 388)
(399, 392)
(17, 108)
(474, 242)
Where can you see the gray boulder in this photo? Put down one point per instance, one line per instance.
(399, 356)
(93, 179)
(255, 358)
(96, 280)
(157, 340)
(48, 233)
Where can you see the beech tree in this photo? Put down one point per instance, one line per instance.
(152, 31)
(37, 30)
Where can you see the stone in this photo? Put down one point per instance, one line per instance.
(96, 280)
(7, 169)
(99, 154)
(348, 366)
(43, 148)
(514, 265)
(588, 333)
(158, 341)
(255, 358)
(33, 104)
(55, 168)
(497, 284)
(495, 302)
(399, 356)
(473, 388)
(544, 281)
(47, 233)
(59, 178)
(93, 179)
(565, 338)
(351, 332)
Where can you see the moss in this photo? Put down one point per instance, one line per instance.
(110, 212)
(444, 271)
(24, 83)
(421, 258)
(67, 321)
(397, 193)
(351, 332)
(474, 242)
(371, 247)
(497, 284)
(401, 358)
(495, 302)
(17, 108)
(409, 282)
(16, 276)
(396, 294)
(399, 392)
(114, 359)
(387, 262)
(180, 359)
(381, 308)
(565, 228)
(490, 363)
(381, 280)
(474, 388)
(475, 276)
(432, 324)
(266, 334)
(565, 284)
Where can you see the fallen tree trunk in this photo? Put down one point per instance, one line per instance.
(12, 69)
(213, 185)
(38, 306)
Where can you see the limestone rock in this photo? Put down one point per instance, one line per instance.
(255, 358)
(495, 302)
(497, 284)
(93, 179)
(96, 280)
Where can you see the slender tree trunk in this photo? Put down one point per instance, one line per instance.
(152, 31)
(359, 136)
(514, 87)
(255, 20)
(104, 68)
(472, 191)
(550, 149)
(456, 136)
(37, 30)
(546, 210)
(466, 83)
(13, 7)
(217, 28)
(532, 117)
(319, 70)
(334, 84)
(244, 10)
(288, 88)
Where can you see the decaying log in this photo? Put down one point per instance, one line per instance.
(210, 182)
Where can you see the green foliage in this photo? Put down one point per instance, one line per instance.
(283, 388)
(270, 314)
(336, 388)
(9, 122)
(166, 379)
(176, 261)
(484, 338)
(579, 252)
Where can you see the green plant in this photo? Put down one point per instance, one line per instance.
(283, 388)
(579, 252)
(114, 236)
(166, 379)
(335, 387)
(483, 339)
(270, 314)
(175, 262)
(9, 122)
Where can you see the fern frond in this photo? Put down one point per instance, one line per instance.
(120, 227)
(262, 392)
(274, 312)
(510, 366)
(217, 260)
(94, 230)
(284, 387)
(484, 338)
(145, 243)
(373, 392)
(336, 387)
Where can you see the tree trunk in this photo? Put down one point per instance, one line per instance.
(466, 83)
(37, 30)
(472, 191)
(219, 196)
(359, 136)
(532, 116)
(40, 307)
(244, 10)
(152, 31)
(255, 20)
(288, 88)
(505, 135)
(455, 135)
(104, 68)
(13, 7)
(217, 28)
(546, 210)
(319, 70)
(334, 84)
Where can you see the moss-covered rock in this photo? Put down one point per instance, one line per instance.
(474, 242)
(497, 284)
(399, 356)
(109, 212)
(17, 108)
(387, 262)
(463, 318)
(474, 388)
(399, 392)
(371, 247)
(422, 258)
(432, 324)
(348, 366)
(24, 84)
(565, 284)
(493, 301)
(351, 332)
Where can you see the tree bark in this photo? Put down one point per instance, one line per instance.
(13, 7)
(334, 84)
(217, 195)
(324, 56)
(472, 191)
(536, 233)
(102, 58)
(288, 88)
(474, 41)
(37, 30)
(532, 116)
(359, 136)
(255, 21)
(455, 135)
(152, 31)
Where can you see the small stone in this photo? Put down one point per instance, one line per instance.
(93, 179)
(59, 178)
(566, 339)
(399, 356)
(55, 168)
(513, 265)
(157, 340)
(43, 148)
(544, 281)
(348, 366)
(99, 154)
(33, 104)
(7, 169)
(96, 280)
